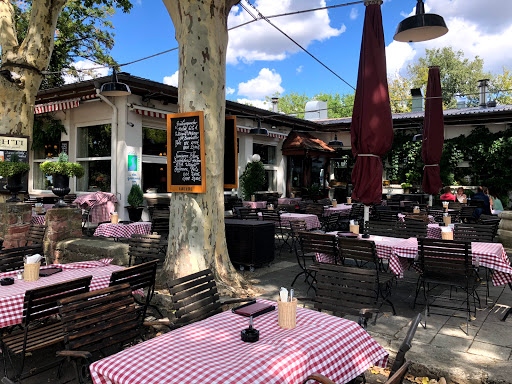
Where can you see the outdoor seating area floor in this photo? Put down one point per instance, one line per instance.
(442, 349)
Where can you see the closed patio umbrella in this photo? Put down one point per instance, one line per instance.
(433, 133)
(372, 124)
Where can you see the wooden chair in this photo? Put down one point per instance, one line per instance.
(35, 234)
(160, 221)
(388, 216)
(249, 213)
(195, 297)
(331, 223)
(473, 233)
(397, 378)
(380, 228)
(38, 331)
(282, 232)
(286, 208)
(411, 228)
(69, 198)
(437, 214)
(96, 322)
(491, 220)
(312, 243)
(467, 214)
(421, 217)
(141, 276)
(144, 248)
(448, 263)
(364, 254)
(296, 226)
(12, 259)
(356, 214)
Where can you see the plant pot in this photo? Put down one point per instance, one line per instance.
(14, 186)
(135, 213)
(60, 188)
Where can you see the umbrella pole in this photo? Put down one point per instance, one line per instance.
(366, 219)
(429, 200)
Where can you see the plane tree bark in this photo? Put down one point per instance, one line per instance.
(196, 230)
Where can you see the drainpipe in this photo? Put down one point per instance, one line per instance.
(113, 156)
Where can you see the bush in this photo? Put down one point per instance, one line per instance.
(62, 167)
(252, 179)
(136, 196)
(13, 167)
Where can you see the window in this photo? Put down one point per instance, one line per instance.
(50, 150)
(268, 158)
(154, 142)
(154, 177)
(94, 144)
(154, 160)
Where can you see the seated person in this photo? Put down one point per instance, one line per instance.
(480, 195)
(447, 195)
(460, 196)
(497, 206)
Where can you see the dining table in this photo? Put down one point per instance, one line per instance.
(311, 220)
(123, 230)
(38, 219)
(211, 351)
(12, 296)
(102, 204)
(255, 204)
(288, 200)
(340, 208)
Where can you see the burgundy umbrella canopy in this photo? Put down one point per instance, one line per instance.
(372, 124)
(433, 133)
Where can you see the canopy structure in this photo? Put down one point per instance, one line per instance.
(303, 143)
(433, 133)
(372, 124)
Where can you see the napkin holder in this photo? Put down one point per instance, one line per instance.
(39, 209)
(448, 235)
(114, 218)
(416, 210)
(287, 313)
(31, 272)
(349, 200)
(334, 203)
(253, 197)
(447, 220)
(354, 228)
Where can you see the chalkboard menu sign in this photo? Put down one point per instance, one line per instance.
(230, 154)
(185, 154)
(8, 146)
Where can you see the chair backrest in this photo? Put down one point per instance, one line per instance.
(311, 242)
(445, 257)
(286, 208)
(96, 320)
(437, 214)
(380, 228)
(160, 221)
(422, 217)
(345, 290)
(477, 203)
(42, 302)
(298, 225)
(467, 213)
(331, 224)
(473, 232)
(356, 211)
(492, 220)
(249, 213)
(358, 250)
(387, 215)
(271, 215)
(411, 228)
(11, 259)
(405, 346)
(194, 297)
(139, 277)
(35, 234)
(69, 198)
(315, 209)
(454, 205)
(143, 248)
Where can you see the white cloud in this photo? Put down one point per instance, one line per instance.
(299, 69)
(354, 12)
(255, 103)
(477, 28)
(229, 91)
(267, 83)
(87, 71)
(173, 79)
(260, 41)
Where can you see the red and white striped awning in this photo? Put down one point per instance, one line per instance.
(277, 135)
(57, 106)
(243, 130)
(143, 112)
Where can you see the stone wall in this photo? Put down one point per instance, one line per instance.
(62, 224)
(14, 223)
(74, 250)
(505, 229)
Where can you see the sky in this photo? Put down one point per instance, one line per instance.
(261, 61)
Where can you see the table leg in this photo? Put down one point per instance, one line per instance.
(509, 311)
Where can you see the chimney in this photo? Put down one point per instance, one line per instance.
(417, 100)
(275, 100)
(482, 84)
(316, 110)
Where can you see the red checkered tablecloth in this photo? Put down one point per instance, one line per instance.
(340, 208)
(431, 219)
(12, 296)
(123, 230)
(102, 204)
(288, 200)
(312, 221)
(38, 219)
(433, 231)
(255, 204)
(210, 351)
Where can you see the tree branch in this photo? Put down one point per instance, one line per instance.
(8, 37)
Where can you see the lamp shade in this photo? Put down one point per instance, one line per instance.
(115, 88)
(259, 130)
(420, 27)
(335, 144)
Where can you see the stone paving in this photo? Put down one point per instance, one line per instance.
(442, 349)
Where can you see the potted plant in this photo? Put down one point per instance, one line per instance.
(135, 199)
(13, 170)
(61, 170)
(252, 179)
(406, 187)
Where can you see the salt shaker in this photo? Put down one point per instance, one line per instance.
(19, 275)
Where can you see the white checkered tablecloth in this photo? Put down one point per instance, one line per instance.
(102, 204)
(123, 230)
(255, 204)
(312, 221)
(288, 200)
(433, 231)
(340, 208)
(37, 219)
(210, 351)
(12, 296)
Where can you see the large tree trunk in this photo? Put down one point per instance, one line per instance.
(25, 62)
(196, 230)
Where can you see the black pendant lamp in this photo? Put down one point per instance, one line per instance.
(420, 27)
(115, 88)
(335, 144)
(259, 130)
